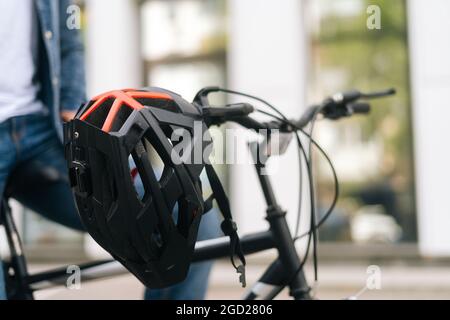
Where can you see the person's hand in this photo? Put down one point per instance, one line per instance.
(67, 115)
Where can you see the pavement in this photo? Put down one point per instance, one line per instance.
(337, 280)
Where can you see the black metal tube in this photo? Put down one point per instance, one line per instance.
(205, 250)
(52, 275)
(220, 248)
(282, 236)
(275, 274)
(299, 288)
(18, 261)
(267, 189)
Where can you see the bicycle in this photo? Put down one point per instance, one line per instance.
(285, 271)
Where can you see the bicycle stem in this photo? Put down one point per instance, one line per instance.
(281, 234)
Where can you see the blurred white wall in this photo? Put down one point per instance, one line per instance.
(267, 58)
(429, 46)
(113, 55)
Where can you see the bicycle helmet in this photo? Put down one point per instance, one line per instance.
(141, 232)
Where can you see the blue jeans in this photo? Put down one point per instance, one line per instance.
(30, 143)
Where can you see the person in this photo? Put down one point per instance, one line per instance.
(42, 84)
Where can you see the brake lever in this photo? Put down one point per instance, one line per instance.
(346, 104)
(355, 95)
(378, 94)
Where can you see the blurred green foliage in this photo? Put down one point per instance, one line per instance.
(372, 60)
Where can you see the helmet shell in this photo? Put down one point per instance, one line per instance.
(146, 234)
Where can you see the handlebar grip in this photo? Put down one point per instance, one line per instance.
(232, 110)
(359, 107)
(219, 115)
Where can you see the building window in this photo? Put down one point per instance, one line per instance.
(184, 48)
(184, 44)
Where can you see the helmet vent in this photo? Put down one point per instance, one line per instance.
(147, 151)
(98, 116)
(157, 238)
(121, 117)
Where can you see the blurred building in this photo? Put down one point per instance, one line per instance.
(392, 165)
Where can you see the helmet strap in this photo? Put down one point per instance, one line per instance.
(228, 226)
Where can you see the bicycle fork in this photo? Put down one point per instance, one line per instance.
(283, 272)
(286, 270)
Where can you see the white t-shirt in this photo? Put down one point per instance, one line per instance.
(18, 59)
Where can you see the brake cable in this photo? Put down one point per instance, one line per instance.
(333, 171)
(299, 207)
(313, 226)
(312, 231)
(330, 209)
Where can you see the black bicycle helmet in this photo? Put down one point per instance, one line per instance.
(142, 232)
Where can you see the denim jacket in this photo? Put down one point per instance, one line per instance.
(60, 69)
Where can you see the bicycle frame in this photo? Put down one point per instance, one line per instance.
(282, 272)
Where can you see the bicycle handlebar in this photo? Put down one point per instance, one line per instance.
(360, 107)
(337, 106)
(219, 115)
(353, 95)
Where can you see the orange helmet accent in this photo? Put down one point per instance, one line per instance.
(121, 97)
